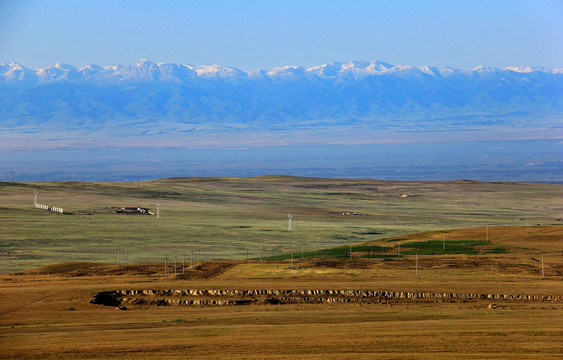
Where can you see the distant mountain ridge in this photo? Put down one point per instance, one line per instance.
(146, 71)
(148, 98)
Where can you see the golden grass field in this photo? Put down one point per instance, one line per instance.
(45, 312)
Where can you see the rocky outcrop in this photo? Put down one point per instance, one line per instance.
(230, 297)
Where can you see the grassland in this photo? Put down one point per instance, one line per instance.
(45, 312)
(237, 216)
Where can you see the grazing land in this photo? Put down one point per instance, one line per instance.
(238, 216)
(437, 270)
(485, 305)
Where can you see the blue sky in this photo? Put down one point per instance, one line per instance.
(264, 34)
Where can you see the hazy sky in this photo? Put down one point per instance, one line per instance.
(264, 34)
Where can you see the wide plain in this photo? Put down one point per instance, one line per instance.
(240, 215)
(45, 312)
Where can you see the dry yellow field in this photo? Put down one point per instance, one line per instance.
(47, 314)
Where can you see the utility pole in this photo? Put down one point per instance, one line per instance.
(542, 270)
(290, 217)
(444, 242)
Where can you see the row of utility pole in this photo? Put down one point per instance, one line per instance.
(207, 257)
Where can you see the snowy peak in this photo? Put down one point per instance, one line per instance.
(14, 72)
(482, 68)
(528, 69)
(430, 70)
(63, 67)
(142, 62)
(378, 66)
(285, 72)
(219, 71)
(91, 68)
(58, 72)
(327, 70)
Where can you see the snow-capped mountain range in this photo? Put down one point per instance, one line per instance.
(166, 98)
(146, 71)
